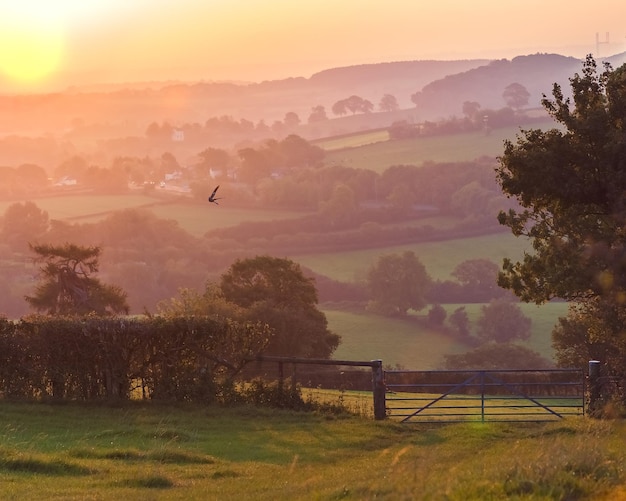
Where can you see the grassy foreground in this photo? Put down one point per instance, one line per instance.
(155, 452)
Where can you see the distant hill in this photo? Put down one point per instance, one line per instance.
(445, 84)
(485, 84)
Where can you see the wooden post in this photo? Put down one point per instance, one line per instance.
(379, 390)
(594, 387)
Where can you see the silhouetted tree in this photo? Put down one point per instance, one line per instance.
(318, 114)
(67, 286)
(515, 95)
(388, 103)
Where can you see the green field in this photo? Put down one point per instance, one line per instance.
(195, 217)
(394, 341)
(408, 344)
(157, 452)
(439, 258)
(84, 206)
(380, 155)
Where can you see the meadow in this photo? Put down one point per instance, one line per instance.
(153, 452)
(411, 345)
(379, 155)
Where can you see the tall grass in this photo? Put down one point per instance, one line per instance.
(180, 452)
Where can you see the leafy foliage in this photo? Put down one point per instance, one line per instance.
(570, 184)
(169, 358)
(503, 321)
(68, 286)
(276, 292)
(398, 283)
(497, 356)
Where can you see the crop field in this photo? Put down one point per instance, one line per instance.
(148, 452)
(352, 140)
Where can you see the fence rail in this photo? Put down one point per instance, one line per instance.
(487, 395)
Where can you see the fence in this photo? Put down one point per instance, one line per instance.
(484, 395)
(356, 380)
(443, 396)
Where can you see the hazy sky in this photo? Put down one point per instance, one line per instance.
(52, 44)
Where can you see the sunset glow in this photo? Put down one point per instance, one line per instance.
(56, 44)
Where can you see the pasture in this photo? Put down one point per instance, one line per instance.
(440, 258)
(411, 345)
(196, 453)
(369, 151)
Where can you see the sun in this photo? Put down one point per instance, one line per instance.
(28, 55)
(32, 42)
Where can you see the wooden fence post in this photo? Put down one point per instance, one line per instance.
(378, 389)
(594, 386)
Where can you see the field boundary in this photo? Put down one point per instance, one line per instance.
(484, 395)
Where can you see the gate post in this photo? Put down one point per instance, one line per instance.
(378, 389)
(594, 386)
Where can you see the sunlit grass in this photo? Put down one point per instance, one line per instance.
(112, 453)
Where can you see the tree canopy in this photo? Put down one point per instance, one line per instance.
(67, 286)
(398, 282)
(275, 291)
(570, 183)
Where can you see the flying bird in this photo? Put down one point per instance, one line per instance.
(212, 198)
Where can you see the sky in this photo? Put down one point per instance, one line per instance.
(48, 45)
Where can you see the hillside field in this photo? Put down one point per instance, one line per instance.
(378, 155)
(405, 343)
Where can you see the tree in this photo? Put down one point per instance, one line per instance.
(479, 278)
(291, 119)
(340, 207)
(388, 103)
(570, 185)
(491, 356)
(318, 114)
(592, 330)
(437, 315)
(503, 321)
(470, 109)
(23, 222)
(397, 283)
(275, 291)
(68, 287)
(460, 320)
(515, 95)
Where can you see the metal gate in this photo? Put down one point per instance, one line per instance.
(484, 395)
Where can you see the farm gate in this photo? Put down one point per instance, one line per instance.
(484, 395)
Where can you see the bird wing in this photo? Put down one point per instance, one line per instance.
(214, 192)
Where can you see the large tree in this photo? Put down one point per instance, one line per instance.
(275, 291)
(67, 284)
(570, 183)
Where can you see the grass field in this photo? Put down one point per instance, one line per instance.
(439, 258)
(379, 155)
(195, 217)
(412, 346)
(152, 452)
